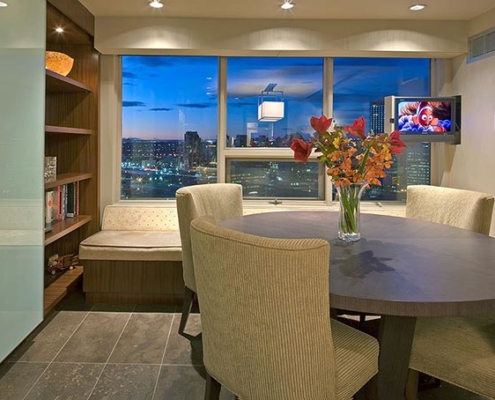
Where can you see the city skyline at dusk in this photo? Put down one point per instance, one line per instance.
(170, 120)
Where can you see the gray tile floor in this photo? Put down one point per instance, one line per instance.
(119, 352)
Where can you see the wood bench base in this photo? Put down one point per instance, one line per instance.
(133, 282)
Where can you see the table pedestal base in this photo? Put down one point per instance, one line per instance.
(395, 336)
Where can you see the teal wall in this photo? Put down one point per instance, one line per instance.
(22, 97)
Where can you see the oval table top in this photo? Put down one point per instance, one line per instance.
(401, 266)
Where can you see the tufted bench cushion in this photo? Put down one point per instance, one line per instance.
(132, 245)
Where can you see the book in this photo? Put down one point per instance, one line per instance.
(77, 198)
(71, 200)
(63, 212)
(58, 203)
(49, 207)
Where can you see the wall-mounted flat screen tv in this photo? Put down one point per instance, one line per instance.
(424, 119)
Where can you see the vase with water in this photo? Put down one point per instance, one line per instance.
(349, 211)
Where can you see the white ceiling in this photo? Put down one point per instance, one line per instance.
(304, 9)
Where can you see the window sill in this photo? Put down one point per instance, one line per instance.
(391, 209)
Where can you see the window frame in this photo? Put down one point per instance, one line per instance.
(225, 153)
(111, 102)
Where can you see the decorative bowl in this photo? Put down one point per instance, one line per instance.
(58, 62)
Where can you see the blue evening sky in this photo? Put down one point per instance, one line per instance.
(164, 96)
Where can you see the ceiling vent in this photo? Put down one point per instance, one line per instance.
(482, 45)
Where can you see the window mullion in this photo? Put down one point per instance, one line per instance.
(222, 119)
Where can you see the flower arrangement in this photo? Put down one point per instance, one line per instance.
(359, 158)
(353, 162)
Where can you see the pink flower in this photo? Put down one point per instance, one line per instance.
(396, 145)
(302, 150)
(321, 124)
(357, 129)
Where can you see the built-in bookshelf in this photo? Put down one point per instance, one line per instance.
(71, 135)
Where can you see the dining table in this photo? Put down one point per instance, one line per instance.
(400, 269)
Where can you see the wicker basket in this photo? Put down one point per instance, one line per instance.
(59, 62)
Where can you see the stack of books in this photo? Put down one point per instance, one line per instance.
(62, 202)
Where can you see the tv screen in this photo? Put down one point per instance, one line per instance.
(425, 117)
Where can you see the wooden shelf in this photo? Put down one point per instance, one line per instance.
(64, 227)
(71, 135)
(61, 288)
(64, 179)
(59, 83)
(67, 130)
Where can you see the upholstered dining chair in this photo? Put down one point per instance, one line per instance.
(460, 351)
(267, 332)
(455, 207)
(219, 200)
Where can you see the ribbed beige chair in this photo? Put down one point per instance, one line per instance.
(455, 207)
(460, 351)
(219, 200)
(267, 332)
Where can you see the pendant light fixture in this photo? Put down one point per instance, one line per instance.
(270, 104)
(156, 4)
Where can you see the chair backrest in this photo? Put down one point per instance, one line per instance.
(219, 200)
(264, 313)
(456, 207)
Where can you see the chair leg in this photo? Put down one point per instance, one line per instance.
(369, 391)
(212, 391)
(412, 384)
(186, 308)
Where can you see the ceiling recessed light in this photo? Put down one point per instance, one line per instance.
(156, 4)
(286, 5)
(59, 29)
(2, 4)
(417, 7)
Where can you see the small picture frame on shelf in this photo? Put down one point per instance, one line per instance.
(50, 169)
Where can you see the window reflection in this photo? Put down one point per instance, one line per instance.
(360, 86)
(270, 100)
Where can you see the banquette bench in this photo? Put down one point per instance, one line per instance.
(135, 258)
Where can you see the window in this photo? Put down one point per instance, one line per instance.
(169, 124)
(171, 109)
(360, 85)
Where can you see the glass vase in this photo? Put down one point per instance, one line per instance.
(349, 211)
